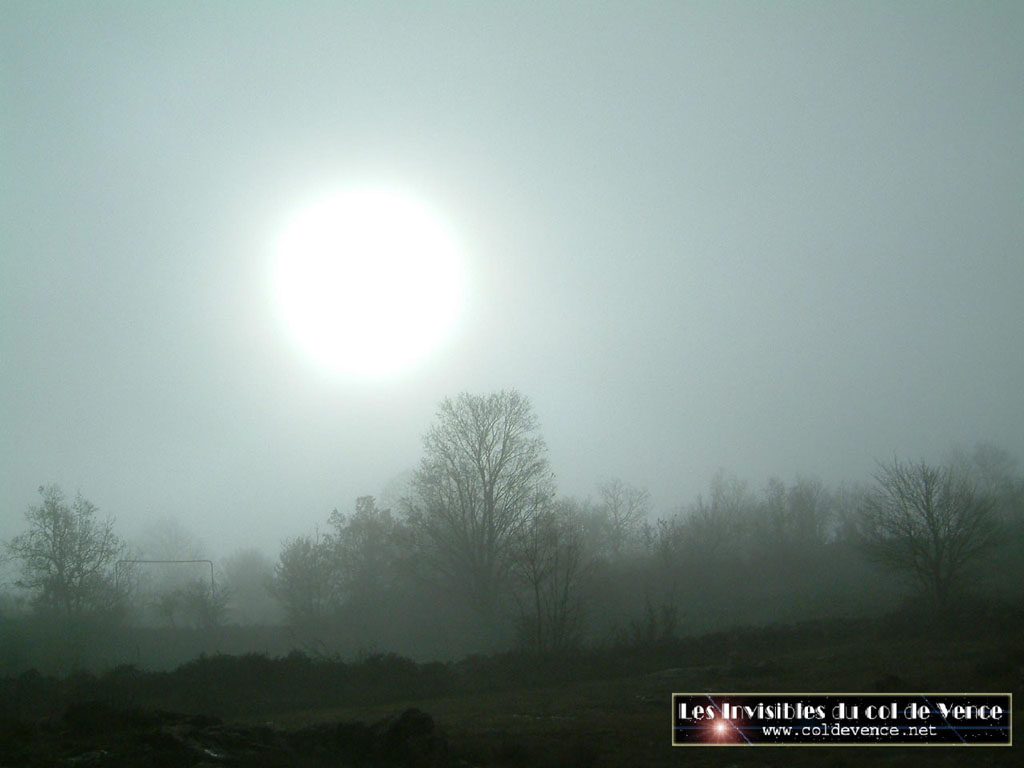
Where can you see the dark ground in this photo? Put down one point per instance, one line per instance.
(596, 708)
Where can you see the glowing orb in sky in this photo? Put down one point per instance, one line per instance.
(367, 281)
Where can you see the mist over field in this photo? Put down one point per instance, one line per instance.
(447, 330)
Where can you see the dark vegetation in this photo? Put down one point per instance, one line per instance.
(601, 706)
(535, 629)
(255, 686)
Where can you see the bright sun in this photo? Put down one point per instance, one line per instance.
(367, 281)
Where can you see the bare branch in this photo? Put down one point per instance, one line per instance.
(928, 522)
(482, 478)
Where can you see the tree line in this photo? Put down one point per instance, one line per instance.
(480, 553)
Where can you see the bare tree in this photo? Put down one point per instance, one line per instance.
(549, 564)
(68, 555)
(719, 525)
(994, 470)
(795, 518)
(623, 508)
(927, 522)
(483, 477)
(175, 557)
(168, 539)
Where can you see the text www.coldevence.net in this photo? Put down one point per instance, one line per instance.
(839, 729)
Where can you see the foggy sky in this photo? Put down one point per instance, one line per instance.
(778, 238)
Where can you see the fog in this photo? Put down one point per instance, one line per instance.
(448, 383)
(780, 239)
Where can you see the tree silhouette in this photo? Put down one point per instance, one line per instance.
(68, 556)
(549, 564)
(482, 478)
(305, 581)
(929, 523)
